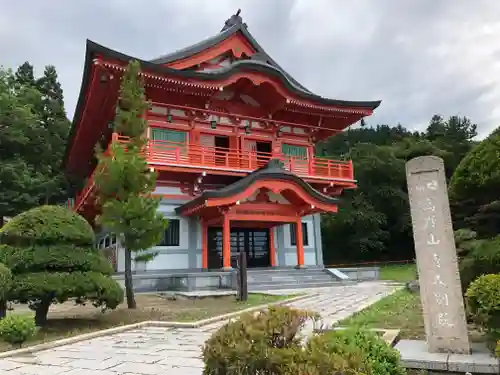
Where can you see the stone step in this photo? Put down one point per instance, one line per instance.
(303, 285)
(289, 278)
(266, 280)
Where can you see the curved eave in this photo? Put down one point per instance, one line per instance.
(269, 172)
(80, 104)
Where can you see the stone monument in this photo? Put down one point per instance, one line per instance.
(440, 291)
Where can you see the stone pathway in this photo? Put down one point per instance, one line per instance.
(172, 351)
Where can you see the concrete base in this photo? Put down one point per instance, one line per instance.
(199, 294)
(414, 354)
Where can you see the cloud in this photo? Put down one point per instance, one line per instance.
(420, 57)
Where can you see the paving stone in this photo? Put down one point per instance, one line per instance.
(29, 369)
(141, 368)
(177, 351)
(92, 364)
(7, 365)
(182, 362)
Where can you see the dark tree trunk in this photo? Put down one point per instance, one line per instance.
(41, 313)
(1, 221)
(3, 309)
(129, 285)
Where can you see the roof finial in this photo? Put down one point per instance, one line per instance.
(234, 20)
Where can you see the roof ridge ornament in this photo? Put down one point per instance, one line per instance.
(234, 20)
(275, 164)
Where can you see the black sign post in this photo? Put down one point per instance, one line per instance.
(242, 276)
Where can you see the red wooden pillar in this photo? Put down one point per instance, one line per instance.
(226, 242)
(204, 244)
(272, 250)
(300, 243)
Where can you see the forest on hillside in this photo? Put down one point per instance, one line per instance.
(373, 222)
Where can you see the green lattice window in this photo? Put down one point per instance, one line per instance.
(168, 135)
(295, 151)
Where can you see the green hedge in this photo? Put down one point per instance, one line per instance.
(61, 286)
(483, 304)
(47, 225)
(481, 260)
(268, 343)
(54, 258)
(381, 358)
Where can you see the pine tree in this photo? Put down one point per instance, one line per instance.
(56, 125)
(25, 75)
(125, 183)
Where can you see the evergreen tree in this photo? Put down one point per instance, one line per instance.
(21, 140)
(25, 75)
(125, 182)
(56, 124)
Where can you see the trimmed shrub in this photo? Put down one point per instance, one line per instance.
(16, 329)
(47, 225)
(381, 358)
(482, 260)
(50, 258)
(50, 252)
(268, 343)
(483, 304)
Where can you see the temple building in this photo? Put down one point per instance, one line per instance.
(232, 137)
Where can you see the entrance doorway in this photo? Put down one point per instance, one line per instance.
(221, 149)
(255, 242)
(264, 150)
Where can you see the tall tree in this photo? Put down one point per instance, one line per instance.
(21, 140)
(125, 183)
(475, 188)
(25, 75)
(56, 124)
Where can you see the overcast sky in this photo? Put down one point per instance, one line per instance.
(420, 57)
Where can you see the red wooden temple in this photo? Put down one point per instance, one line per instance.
(232, 137)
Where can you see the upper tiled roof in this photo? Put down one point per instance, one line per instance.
(232, 26)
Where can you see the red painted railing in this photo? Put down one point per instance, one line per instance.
(244, 161)
(217, 159)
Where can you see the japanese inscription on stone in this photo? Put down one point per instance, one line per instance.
(441, 295)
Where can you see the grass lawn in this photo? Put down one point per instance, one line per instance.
(398, 272)
(68, 320)
(401, 310)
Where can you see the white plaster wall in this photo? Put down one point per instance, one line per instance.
(167, 190)
(169, 261)
(290, 259)
(310, 258)
(310, 234)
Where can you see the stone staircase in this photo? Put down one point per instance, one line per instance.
(290, 278)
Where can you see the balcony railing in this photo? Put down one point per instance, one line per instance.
(244, 161)
(223, 160)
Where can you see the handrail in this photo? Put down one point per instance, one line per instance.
(176, 154)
